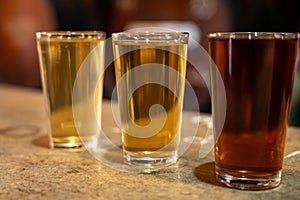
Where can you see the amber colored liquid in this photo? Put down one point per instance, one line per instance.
(60, 60)
(149, 94)
(258, 79)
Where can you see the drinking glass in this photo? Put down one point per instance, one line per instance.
(150, 70)
(62, 54)
(257, 69)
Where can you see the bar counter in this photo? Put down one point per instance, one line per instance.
(30, 169)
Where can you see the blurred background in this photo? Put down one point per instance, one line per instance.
(19, 20)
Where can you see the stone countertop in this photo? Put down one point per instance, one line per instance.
(30, 169)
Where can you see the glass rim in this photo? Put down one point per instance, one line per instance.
(151, 36)
(70, 34)
(253, 35)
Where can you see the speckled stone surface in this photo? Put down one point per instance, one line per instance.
(29, 169)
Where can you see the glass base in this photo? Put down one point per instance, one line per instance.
(248, 183)
(67, 145)
(71, 143)
(149, 161)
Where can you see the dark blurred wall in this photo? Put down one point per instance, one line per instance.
(19, 20)
(83, 14)
(265, 15)
(117, 15)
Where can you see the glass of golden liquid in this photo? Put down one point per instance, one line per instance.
(150, 70)
(61, 56)
(257, 69)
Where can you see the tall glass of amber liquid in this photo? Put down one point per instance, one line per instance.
(150, 70)
(61, 56)
(257, 69)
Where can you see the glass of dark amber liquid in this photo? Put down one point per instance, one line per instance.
(257, 69)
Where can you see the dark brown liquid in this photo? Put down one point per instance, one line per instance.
(258, 77)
